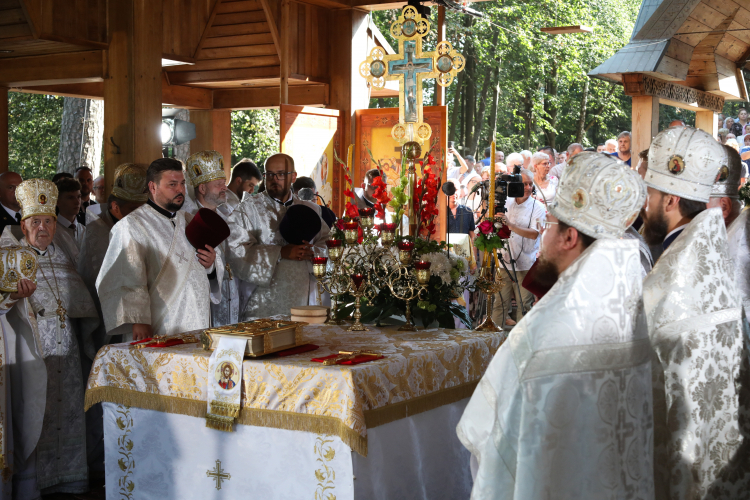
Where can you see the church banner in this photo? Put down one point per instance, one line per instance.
(310, 136)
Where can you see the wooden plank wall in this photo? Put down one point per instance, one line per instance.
(13, 25)
(184, 24)
(309, 34)
(69, 21)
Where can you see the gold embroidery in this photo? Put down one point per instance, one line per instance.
(126, 461)
(218, 474)
(325, 475)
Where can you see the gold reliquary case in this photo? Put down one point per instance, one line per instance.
(264, 336)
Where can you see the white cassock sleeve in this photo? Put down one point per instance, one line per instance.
(122, 283)
(253, 261)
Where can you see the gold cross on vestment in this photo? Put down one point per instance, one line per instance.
(218, 474)
(181, 255)
(410, 66)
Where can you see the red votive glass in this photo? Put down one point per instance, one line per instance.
(406, 245)
(366, 212)
(351, 225)
(388, 226)
(333, 243)
(422, 264)
(321, 260)
(358, 278)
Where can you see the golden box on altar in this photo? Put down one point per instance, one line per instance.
(264, 336)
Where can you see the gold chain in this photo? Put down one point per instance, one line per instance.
(61, 311)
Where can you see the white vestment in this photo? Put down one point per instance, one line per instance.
(151, 275)
(227, 311)
(693, 311)
(69, 241)
(255, 256)
(564, 409)
(738, 238)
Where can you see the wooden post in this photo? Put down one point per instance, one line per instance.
(706, 121)
(213, 131)
(3, 129)
(284, 57)
(645, 122)
(440, 90)
(133, 86)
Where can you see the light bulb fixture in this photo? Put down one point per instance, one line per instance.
(175, 131)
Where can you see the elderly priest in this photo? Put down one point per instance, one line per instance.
(65, 313)
(260, 255)
(152, 281)
(206, 172)
(564, 409)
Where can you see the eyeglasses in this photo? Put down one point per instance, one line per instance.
(542, 226)
(277, 175)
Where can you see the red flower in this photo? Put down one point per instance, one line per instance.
(485, 227)
(503, 232)
(348, 193)
(381, 195)
(351, 210)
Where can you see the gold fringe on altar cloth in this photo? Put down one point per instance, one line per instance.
(318, 424)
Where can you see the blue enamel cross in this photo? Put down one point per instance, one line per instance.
(409, 68)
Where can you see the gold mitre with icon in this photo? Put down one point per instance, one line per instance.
(16, 263)
(205, 166)
(130, 183)
(37, 197)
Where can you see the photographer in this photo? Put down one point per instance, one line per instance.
(522, 217)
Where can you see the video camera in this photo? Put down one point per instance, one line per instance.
(506, 186)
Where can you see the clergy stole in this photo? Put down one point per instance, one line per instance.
(224, 383)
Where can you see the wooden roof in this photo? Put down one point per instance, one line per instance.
(702, 44)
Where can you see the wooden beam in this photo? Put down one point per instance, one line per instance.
(133, 89)
(638, 84)
(223, 75)
(29, 18)
(706, 120)
(71, 67)
(645, 122)
(213, 131)
(272, 25)
(180, 96)
(94, 90)
(439, 89)
(269, 97)
(285, 54)
(3, 129)
(204, 36)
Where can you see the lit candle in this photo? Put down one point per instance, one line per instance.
(406, 245)
(358, 278)
(333, 243)
(422, 264)
(319, 260)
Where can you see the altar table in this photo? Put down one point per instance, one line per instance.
(382, 429)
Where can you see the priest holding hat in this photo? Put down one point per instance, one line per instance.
(259, 252)
(205, 170)
(153, 281)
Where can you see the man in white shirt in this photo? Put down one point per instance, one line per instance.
(522, 217)
(573, 150)
(11, 215)
(70, 231)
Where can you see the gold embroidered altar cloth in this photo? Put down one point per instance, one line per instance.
(421, 371)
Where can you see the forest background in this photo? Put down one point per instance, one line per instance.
(521, 86)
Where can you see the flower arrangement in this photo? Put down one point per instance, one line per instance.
(745, 193)
(492, 235)
(426, 195)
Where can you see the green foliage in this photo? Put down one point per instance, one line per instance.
(255, 135)
(34, 134)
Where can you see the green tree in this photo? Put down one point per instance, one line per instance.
(255, 135)
(34, 134)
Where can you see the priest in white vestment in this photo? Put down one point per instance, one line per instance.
(261, 256)
(206, 173)
(129, 192)
(152, 281)
(693, 309)
(564, 410)
(245, 178)
(65, 316)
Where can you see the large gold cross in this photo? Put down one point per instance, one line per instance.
(218, 474)
(410, 66)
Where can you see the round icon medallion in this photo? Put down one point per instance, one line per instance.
(676, 164)
(377, 69)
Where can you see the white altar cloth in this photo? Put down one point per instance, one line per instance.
(164, 456)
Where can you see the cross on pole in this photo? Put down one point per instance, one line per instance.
(410, 69)
(218, 474)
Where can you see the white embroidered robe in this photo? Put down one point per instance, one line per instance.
(255, 256)
(226, 312)
(738, 238)
(693, 311)
(151, 275)
(564, 409)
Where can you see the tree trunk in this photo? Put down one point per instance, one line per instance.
(474, 146)
(456, 107)
(582, 113)
(81, 135)
(550, 107)
(471, 101)
(598, 111)
(527, 115)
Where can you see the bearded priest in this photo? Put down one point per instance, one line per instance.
(547, 418)
(152, 281)
(258, 252)
(693, 311)
(206, 172)
(65, 313)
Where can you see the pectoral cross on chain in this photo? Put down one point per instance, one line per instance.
(61, 313)
(181, 255)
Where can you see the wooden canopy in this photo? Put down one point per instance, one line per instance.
(211, 56)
